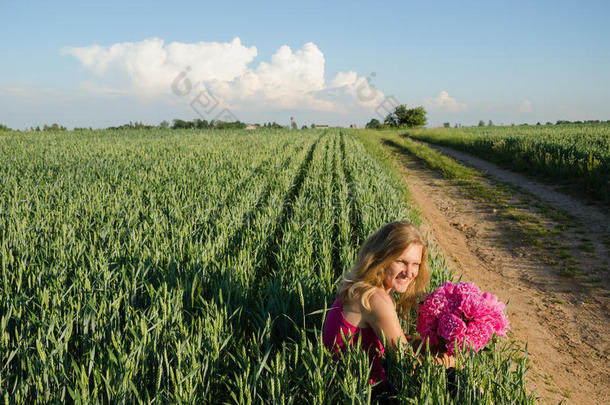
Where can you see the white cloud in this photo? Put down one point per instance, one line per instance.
(445, 103)
(359, 88)
(525, 107)
(150, 66)
(344, 79)
(290, 80)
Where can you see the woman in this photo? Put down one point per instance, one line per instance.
(391, 260)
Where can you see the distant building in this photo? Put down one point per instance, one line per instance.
(353, 126)
(321, 126)
(251, 126)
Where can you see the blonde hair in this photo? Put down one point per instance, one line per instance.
(378, 251)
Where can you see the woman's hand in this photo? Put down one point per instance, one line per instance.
(414, 341)
(417, 342)
(447, 360)
(438, 350)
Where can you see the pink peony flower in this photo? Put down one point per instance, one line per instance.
(499, 323)
(492, 300)
(447, 287)
(451, 327)
(474, 306)
(426, 327)
(435, 303)
(478, 334)
(466, 288)
(457, 342)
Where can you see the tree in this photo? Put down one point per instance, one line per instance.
(293, 125)
(396, 117)
(164, 124)
(54, 127)
(446, 125)
(304, 127)
(490, 124)
(403, 117)
(373, 124)
(416, 117)
(272, 125)
(218, 124)
(181, 124)
(313, 126)
(481, 123)
(201, 124)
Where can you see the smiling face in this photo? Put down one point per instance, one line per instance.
(404, 269)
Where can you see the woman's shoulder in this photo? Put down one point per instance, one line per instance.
(378, 298)
(381, 301)
(382, 308)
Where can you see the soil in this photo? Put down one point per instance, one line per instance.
(563, 320)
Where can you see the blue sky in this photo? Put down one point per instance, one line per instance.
(464, 61)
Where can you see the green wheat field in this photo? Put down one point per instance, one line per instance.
(185, 266)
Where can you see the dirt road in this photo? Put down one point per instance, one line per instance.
(563, 320)
(588, 215)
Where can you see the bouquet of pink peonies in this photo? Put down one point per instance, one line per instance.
(460, 313)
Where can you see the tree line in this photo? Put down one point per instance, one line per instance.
(176, 124)
(558, 122)
(401, 117)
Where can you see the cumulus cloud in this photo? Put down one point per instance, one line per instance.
(526, 106)
(445, 103)
(291, 79)
(358, 88)
(287, 81)
(149, 66)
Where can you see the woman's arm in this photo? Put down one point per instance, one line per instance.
(384, 321)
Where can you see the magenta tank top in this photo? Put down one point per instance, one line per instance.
(335, 324)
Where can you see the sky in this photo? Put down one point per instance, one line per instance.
(99, 64)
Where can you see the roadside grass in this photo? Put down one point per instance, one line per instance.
(443, 164)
